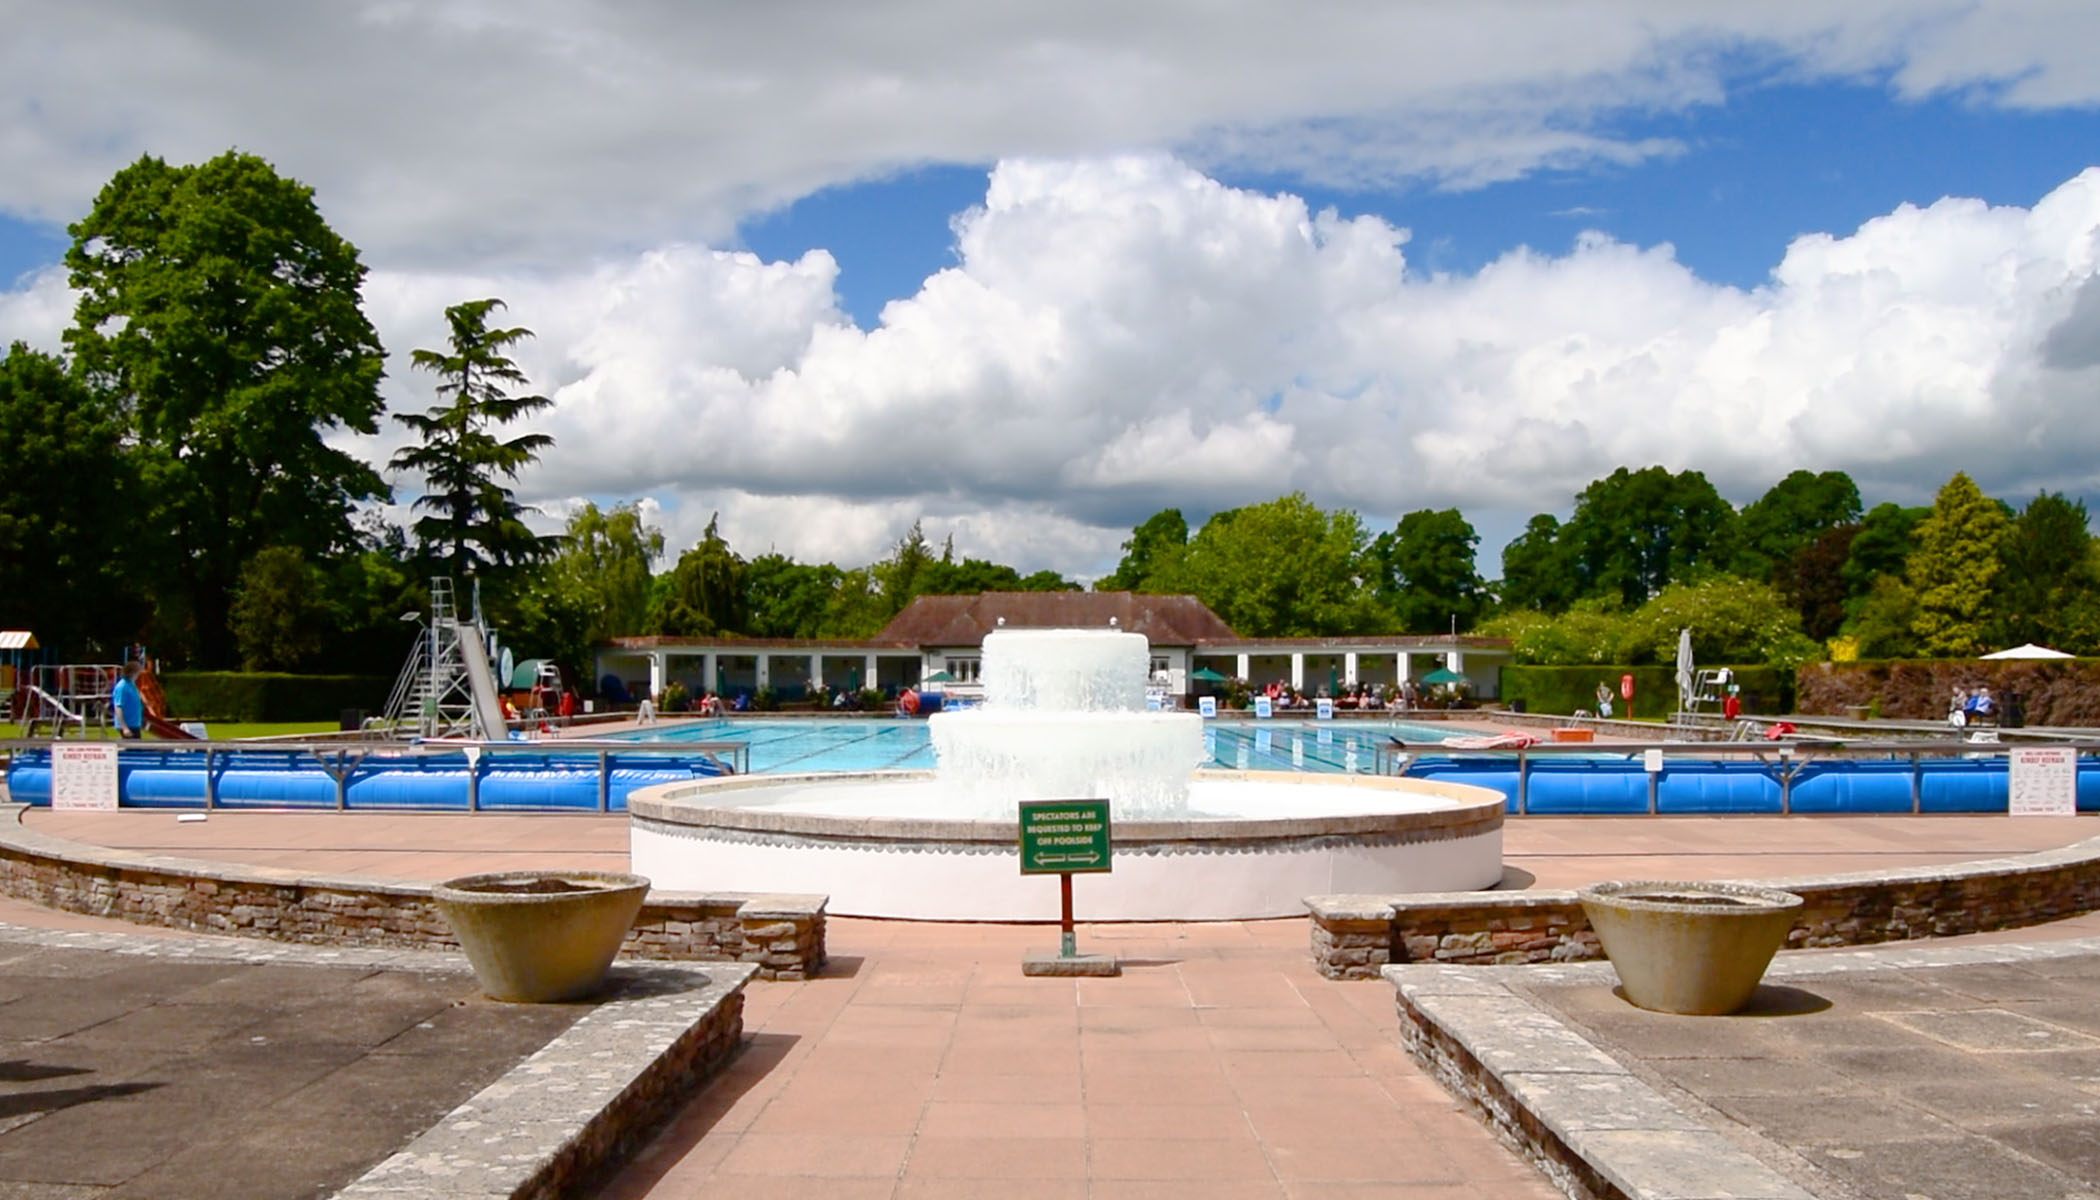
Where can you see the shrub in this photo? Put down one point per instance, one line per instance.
(271, 696)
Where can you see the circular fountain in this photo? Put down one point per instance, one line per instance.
(1065, 718)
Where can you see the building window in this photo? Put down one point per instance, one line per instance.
(1161, 664)
(965, 670)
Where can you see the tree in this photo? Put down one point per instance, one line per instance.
(1636, 532)
(1953, 567)
(1883, 546)
(1813, 581)
(902, 575)
(280, 612)
(2046, 570)
(1161, 536)
(1886, 620)
(1538, 573)
(220, 314)
(63, 512)
(604, 563)
(1733, 620)
(788, 599)
(1423, 572)
(704, 594)
(1778, 525)
(472, 518)
(1280, 569)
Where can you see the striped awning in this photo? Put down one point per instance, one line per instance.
(17, 639)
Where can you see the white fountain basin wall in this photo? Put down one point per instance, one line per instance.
(1254, 844)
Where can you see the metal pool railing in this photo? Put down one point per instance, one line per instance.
(1746, 777)
(426, 769)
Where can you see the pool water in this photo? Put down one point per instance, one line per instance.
(778, 747)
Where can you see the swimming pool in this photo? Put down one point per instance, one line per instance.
(880, 744)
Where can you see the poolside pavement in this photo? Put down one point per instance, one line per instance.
(1220, 1065)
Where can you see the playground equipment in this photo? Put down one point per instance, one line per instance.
(75, 694)
(446, 689)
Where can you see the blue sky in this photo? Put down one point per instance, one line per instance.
(1772, 163)
(1154, 313)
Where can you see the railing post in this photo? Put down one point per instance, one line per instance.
(1523, 790)
(342, 782)
(1786, 782)
(604, 781)
(211, 785)
(474, 781)
(1917, 783)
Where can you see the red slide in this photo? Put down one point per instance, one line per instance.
(155, 703)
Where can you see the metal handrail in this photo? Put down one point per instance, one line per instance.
(1791, 756)
(340, 759)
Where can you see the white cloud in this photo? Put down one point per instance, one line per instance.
(551, 133)
(1118, 335)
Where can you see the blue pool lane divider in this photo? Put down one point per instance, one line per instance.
(550, 781)
(1551, 786)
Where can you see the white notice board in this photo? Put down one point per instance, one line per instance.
(83, 777)
(2042, 781)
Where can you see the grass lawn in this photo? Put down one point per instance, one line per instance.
(219, 730)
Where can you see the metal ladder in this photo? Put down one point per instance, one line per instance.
(433, 696)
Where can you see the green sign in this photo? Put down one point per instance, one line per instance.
(1059, 836)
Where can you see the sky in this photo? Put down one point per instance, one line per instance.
(1027, 274)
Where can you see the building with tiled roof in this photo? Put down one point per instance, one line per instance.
(945, 634)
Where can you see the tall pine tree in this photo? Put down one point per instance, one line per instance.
(471, 518)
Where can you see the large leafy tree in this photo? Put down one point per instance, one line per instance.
(63, 551)
(603, 565)
(1423, 572)
(1778, 525)
(1161, 536)
(1538, 571)
(471, 518)
(221, 315)
(1953, 568)
(2047, 578)
(1887, 536)
(788, 599)
(281, 614)
(1636, 532)
(1813, 581)
(1281, 569)
(703, 596)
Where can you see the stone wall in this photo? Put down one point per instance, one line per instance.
(783, 935)
(1353, 936)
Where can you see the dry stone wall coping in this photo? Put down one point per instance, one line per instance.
(782, 934)
(1353, 936)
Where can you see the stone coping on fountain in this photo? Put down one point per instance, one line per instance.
(1463, 812)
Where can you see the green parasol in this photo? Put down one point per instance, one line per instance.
(1443, 675)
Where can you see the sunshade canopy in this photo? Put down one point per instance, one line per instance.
(2030, 650)
(1443, 675)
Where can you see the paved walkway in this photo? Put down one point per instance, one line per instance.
(1220, 1065)
(1554, 851)
(1889, 1079)
(164, 1077)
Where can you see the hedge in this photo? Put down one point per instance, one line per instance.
(262, 696)
(2059, 691)
(1766, 690)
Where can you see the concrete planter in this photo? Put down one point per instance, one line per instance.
(1694, 948)
(540, 936)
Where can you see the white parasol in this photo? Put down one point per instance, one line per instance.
(2030, 650)
(1687, 683)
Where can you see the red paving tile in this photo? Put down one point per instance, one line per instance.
(1220, 1065)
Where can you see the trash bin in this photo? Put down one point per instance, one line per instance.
(350, 720)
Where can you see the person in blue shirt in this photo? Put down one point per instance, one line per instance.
(126, 705)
